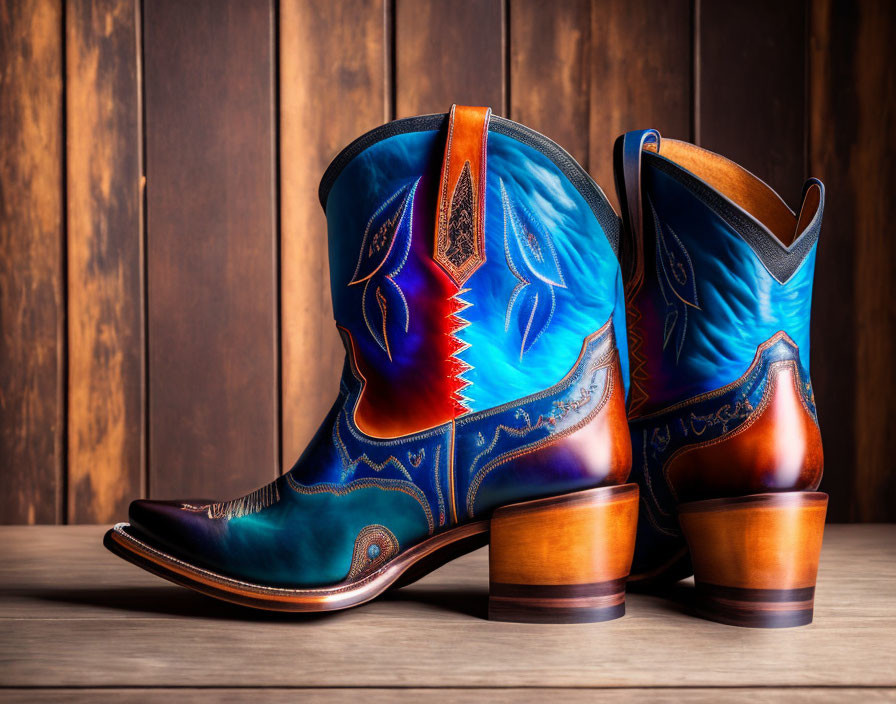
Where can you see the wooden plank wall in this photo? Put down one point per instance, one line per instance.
(164, 297)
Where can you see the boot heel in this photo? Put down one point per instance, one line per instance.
(756, 557)
(563, 559)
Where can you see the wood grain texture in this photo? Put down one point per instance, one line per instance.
(640, 76)
(851, 142)
(74, 615)
(549, 51)
(105, 259)
(32, 308)
(211, 278)
(332, 56)
(472, 695)
(446, 53)
(750, 92)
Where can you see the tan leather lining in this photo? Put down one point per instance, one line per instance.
(743, 188)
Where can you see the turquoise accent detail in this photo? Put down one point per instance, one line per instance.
(373, 552)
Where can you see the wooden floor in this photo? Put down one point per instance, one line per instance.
(79, 624)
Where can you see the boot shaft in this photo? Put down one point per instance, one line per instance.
(718, 266)
(470, 257)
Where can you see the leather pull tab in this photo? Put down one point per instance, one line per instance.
(460, 224)
(813, 197)
(627, 162)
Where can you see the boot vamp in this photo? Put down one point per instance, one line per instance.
(284, 534)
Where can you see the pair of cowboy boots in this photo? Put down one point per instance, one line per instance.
(503, 371)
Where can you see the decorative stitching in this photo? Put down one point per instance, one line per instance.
(247, 505)
(438, 485)
(596, 338)
(350, 464)
(390, 230)
(779, 336)
(391, 223)
(408, 488)
(537, 445)
(524, 239)
(772, 382)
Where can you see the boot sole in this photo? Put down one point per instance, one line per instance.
(421, 558)
(598, 523)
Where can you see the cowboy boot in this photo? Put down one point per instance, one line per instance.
(478, 294)
(727, 451)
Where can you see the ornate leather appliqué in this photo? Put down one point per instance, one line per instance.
(374, 547)
(532, 259)
(460, 222)
(460, 243)
(384, 251)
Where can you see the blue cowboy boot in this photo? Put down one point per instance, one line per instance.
(727, 452)
(476, 288)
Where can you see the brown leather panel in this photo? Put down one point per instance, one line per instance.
(737, 184)
(604, 445)
(778, 448)
(375, 413)
(460, 224)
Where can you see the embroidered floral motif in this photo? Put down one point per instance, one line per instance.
(531, 257)
(721, 417)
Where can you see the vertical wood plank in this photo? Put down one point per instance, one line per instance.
(751, 67)
(332, 57)
(851, 143)
(549, 70)
(448, 52)
(32, 312)
(105, 265)
(211, 281)
(640, 76)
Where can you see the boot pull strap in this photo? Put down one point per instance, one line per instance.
(813, 202)
(627, 171)
(460, 216)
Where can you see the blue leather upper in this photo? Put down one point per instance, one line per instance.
(547, 282)
(544, 343)
(729, 304)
